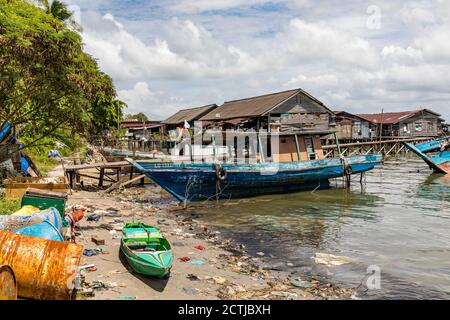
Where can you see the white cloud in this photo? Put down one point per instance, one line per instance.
(155, 104)
(319, 43)
(207, 5)
(188, 51)
(185, 55)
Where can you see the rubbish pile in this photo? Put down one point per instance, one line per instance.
(41, 233)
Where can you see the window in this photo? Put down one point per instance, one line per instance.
(310, 148)
(418, 127)
(358, 128)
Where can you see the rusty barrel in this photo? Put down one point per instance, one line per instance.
(8, 286)
(44, 269)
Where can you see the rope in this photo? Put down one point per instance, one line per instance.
(346, 171)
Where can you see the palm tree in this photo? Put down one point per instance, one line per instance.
(57, 9)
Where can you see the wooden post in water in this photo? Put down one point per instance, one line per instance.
(297, 148)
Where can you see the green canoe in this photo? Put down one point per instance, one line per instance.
(146, 250)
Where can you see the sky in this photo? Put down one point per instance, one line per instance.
(354, 55)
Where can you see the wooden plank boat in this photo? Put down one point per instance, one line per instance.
(433, 145)
(438, 161)
(146, 250)
(298, 164)
(198, 181)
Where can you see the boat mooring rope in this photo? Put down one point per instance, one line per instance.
(346, 171)
(221, 175)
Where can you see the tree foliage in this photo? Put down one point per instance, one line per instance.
(56, 8)
(47, 81)
(138, 116)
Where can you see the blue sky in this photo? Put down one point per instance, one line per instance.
(359, 56)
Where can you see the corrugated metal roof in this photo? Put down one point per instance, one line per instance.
(191, 114)
(393, 117)
(255, 106)
(141, 125)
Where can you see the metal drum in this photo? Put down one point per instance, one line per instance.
(44, 269)
(8, 286)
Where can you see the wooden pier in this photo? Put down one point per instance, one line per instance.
(107, 171)
(386, 147)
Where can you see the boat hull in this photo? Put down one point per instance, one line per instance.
(141, 266)
(198, 181)
(439, 162)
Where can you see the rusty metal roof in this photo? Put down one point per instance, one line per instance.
(393, 117)
(255, 106)
(189, 114)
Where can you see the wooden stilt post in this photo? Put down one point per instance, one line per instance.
(297, 147)
(102, 176)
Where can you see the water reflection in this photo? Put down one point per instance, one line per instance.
(436, 187)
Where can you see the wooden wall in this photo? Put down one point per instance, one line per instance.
(288, 151)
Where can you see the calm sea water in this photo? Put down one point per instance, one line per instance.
(399, 220)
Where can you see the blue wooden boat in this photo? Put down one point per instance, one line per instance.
(299, 165)
(438, 161)
(433, 145)
(199, 181)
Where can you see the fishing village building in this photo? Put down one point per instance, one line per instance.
(282, 111)
(139, 129)
(351, 127)
(189, 116)
(285, 113)
(417, 123)
(144, 135)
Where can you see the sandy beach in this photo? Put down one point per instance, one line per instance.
(218, 269)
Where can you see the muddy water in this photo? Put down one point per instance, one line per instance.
(397, 221)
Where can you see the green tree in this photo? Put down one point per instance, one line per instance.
(107, 113)
(138, 116)
(47, 82)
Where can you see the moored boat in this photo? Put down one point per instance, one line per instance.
(439, 161)
(146, 250)
(300, 164)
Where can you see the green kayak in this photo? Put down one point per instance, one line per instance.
(146, 250)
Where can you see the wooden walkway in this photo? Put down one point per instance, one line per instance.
(386, 147)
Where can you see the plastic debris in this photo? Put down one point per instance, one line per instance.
(127, 298)
(219, 280)
(193, 277)
(93, 217)
(89, 252)
(331, 260)
(184, 259)
(196, 262)
(191, 291)
(94, 252)
(201, 248)
(300, 283)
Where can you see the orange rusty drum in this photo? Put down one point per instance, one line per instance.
(44, 269)
(8, 286)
